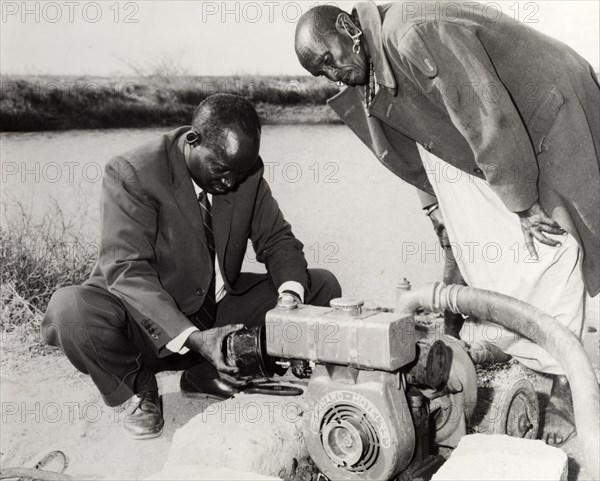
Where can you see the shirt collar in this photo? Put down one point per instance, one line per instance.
(199, 190)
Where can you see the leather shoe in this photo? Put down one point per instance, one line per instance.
(146, 420)
(217, 388)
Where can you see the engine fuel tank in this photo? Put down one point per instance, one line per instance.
(343, 334)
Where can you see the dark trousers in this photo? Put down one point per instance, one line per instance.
(96, 333)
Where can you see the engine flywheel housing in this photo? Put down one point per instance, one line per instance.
(349, 438)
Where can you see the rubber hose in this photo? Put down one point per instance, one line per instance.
(535, 325)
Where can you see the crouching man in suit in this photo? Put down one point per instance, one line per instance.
(177, 214)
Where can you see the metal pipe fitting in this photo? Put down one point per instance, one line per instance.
(519, 316)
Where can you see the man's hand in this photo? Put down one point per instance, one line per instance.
(209, 344)
(288, 297)
(534, 224)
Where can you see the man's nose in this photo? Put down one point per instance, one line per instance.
(332, 74)
(228, 181)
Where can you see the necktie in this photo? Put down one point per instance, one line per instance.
(209, 307)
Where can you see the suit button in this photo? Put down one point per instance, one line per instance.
(200, 292)
(155, 337)
(478, 170)
(145, 322)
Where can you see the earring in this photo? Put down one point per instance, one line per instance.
(355, 38)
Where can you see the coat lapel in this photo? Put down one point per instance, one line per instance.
(400, 155)
(222, 211)
(371, 24)
(184, 193)
(185, 196)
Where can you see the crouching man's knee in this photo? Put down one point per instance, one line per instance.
(63, 317)
(82, 318)
(324, 286)
(89, 325)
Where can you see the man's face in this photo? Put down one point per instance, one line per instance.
(332, 57)
(218, 171)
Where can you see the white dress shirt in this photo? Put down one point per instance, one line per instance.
(177, 344)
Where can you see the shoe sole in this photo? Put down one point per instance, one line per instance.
(201, 395)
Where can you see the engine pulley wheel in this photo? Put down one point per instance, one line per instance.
(344, 442)
(349, 439)
(514, 411)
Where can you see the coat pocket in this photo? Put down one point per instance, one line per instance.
(543, 118)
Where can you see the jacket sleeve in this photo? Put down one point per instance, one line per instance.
(450, 60)
(127, 255)
(274, 242)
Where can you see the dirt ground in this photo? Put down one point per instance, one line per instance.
(47, 405)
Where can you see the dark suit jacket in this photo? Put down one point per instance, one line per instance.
(489, 95)
(154, 255)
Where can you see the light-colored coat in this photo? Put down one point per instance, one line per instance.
(491, 96)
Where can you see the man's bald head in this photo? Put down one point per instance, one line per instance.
(226, 149)
(312, 28)
(229, 125)
(329, 44)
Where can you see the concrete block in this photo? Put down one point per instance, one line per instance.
(253, 433)
(481, 457)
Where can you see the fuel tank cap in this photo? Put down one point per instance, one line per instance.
(347, 306)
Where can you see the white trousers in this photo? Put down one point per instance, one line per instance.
(488, 244)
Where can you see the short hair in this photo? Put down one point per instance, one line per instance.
(219, 112)
(320, 22)
(321, 19)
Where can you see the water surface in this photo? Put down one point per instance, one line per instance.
(353, 216)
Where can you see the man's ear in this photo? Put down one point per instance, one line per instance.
(193, 138)
(345, 26)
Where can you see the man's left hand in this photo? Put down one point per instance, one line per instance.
(535, 223)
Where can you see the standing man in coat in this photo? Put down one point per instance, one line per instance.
(177, 214)
(498, 122)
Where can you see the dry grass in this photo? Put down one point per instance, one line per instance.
(38, 256)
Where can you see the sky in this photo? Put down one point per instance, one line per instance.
(210, 37)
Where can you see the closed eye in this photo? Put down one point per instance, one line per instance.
(321, 65)
(326, 60)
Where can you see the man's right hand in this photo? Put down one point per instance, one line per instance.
(209, 344)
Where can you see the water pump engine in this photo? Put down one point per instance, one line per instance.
(378, 390)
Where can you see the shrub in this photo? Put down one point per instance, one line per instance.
(37, 256)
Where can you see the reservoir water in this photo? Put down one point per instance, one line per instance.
(354, 217)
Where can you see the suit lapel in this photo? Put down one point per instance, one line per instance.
(185, 196)
(184, 193)
(222, 211)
